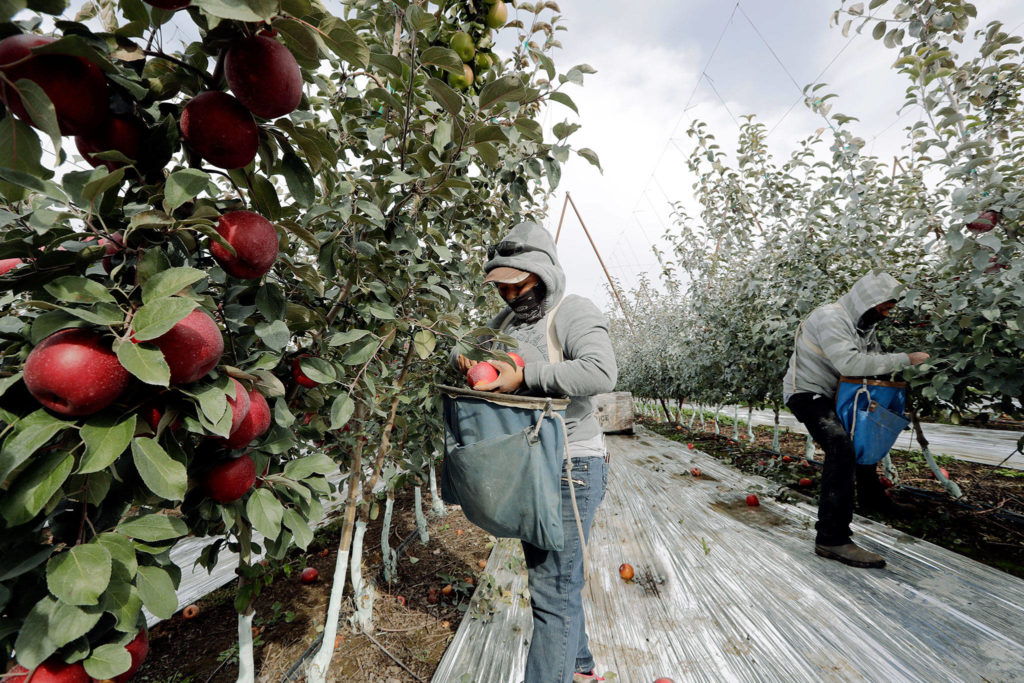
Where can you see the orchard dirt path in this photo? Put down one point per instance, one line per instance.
(724, 591)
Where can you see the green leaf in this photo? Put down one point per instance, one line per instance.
(104, 441)
(49, 625)
(341, 411)
(107, 661)
(270, 301)
(21, 152)
(78, 290)
(123, 602)
(162, 474)
(345, 42)
(157, 591)
(488, 153)
(159, 316)
(299, 179)
(361, 352)
(122, 554)
(183, 185)
(300, 527)
(35, 486)
(591, 156)
(153, 528)
(265, 512)
(504, 89)
(445, 96)
(80, 575)
(240, 10)
(30, 433)
(318, 370)
(145, 362)
(347, 337)
(95, 188)
(381, 311)
(301, 468)
(425, 342)
(275, 334)
(40, 108)
(15, 564)
(264, 196)
(103, 313)
(562, 98)
(442, 57)
(170, 282)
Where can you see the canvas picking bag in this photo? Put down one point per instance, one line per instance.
(872, 412)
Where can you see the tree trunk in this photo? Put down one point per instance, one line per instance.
(421, 520)
(390, 557)
(362, 591)
(736, 422)
(775, 432)
(949, 485)
(436, 504)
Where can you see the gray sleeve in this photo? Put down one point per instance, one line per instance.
(841, 350)
(589, 367)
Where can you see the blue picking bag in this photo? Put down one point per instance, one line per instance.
(872, 413)
(503, 461)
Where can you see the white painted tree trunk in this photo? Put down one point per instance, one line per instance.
(889, 471)
(246, 662)
(750, 424)
(436, 504)
(736, 422)
(775, 433)
(718, 410)
(362, 591)
(693, 416)
(951, 486)
(421, 519)
(809, 448)
(390, 557)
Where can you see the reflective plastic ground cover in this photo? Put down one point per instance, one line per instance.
(726, 592)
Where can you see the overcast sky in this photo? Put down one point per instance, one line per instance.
(650, 56)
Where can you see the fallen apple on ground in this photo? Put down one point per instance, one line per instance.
(309, 575)
(626, 571)
(752, 500)
(190, 612)
(805, 482)
(695, 471)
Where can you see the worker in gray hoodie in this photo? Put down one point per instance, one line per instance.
(570, 357)
(839, 339)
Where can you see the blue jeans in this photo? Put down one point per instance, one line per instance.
(559, 645)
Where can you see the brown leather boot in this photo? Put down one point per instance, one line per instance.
(851, 554)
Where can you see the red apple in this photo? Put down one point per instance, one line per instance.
(239, 406)
(138, 649)
(76, 86)
(230, 480)
(752, 500)
(112, 248)
(943, 471)
(51, 671)
(309, 575)
(518, 359)
(264, 76)
(220, 129)
(254, 240)
(690, 446)
(805, 481)
(254, 424)
(118, 133)
(74, 372)
(190, 612)
(696, 471)
(300, 376)
(886, 482)
(8, 264)
(626, 571)
(804, 463)
(663, 680)
(786, 458)
(169, 5)
(481, 373)
(994, 265)
(985, 222)
(153, 413)
(192, 347)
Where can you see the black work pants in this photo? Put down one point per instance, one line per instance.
(841, 472)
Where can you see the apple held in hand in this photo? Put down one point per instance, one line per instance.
(309, 575)
(517, 358)
(192, 347)
(74, 372)
(230, 480)
(481, 373)
(254, 240)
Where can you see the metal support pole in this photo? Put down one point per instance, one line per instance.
(561, 218)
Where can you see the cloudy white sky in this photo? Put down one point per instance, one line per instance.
(655, 57)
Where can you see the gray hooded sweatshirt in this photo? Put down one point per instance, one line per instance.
(588, 365)
(829, 344)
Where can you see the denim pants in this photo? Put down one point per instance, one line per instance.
(840, 473)
(559, 646)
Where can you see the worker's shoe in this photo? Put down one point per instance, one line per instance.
(851, 554)
(586, 677)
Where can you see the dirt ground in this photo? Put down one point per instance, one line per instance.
(987, 524)
(290, 615)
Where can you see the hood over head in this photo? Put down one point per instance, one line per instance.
(529, 247)
(869, 291)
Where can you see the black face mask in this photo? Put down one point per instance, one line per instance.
(870, 318)
(529, 306)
